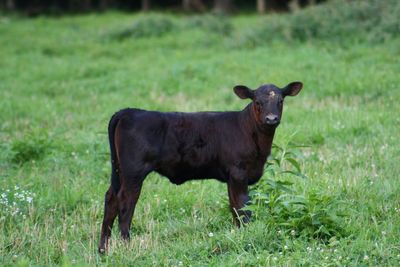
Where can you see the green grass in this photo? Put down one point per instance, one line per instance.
(61, 80)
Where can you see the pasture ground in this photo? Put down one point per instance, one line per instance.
(61, 79)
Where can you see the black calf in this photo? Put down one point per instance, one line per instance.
(231, 147)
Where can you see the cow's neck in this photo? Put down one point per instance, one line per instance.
(262, 137)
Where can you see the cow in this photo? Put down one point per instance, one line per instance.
(231, 147)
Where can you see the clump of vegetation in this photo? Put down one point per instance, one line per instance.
(149, 26)
(311, 215)
(339, 21)
(15, 203)
(212, 23)
(30, 148)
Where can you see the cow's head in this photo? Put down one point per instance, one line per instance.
(268, 101)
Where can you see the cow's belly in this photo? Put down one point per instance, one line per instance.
(180, 173)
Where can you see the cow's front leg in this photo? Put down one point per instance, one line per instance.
(238, 198)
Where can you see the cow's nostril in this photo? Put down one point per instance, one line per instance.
(271, 119)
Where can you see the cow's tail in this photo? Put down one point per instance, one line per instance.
(115, 181)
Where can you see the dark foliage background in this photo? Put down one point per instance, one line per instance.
(37, 7)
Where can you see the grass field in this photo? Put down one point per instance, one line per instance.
(61, 79)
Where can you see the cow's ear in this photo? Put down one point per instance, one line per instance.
(243, 92)
(292, 89)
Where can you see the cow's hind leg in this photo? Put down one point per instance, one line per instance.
(110, 212)
(127, 199)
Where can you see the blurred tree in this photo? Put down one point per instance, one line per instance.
(104, 4)
(294, 5)
(10, 4)
(223, 6)
(196, 5)
(145, 5)
(86, 5)
(261, 6)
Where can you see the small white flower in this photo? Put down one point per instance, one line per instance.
(383, 232)
(29, 199)
(366, 257)
(293, 232)
(309, 249)
(285, 247)
(279, 232)
(274, 258)
(210, 234)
